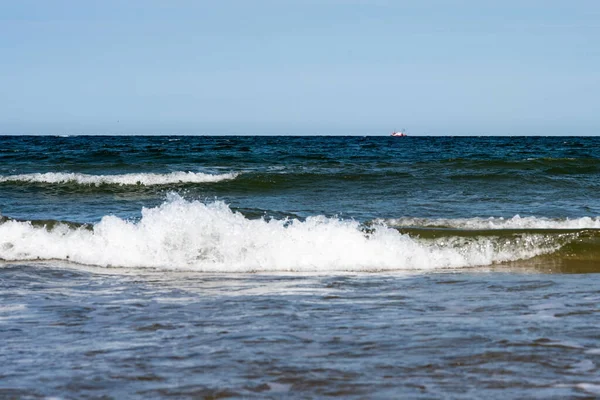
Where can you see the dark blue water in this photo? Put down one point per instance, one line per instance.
(284, 267)
(354, 177)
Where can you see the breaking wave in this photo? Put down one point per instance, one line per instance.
(515, 222)
(191, 235)
(146, 179)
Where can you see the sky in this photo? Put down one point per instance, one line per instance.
(300, 67)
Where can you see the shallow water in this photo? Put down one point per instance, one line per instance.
(87, 333)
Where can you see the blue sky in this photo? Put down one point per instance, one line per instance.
(439, 67)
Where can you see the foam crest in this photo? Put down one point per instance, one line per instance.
(191, 235)
(515, 222)
(146, 179)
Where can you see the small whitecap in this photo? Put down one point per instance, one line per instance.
(146, 179)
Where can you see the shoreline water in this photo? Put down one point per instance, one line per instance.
(73, 333)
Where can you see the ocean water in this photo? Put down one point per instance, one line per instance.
(299, 267)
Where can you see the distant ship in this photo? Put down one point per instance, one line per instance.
(399, 133)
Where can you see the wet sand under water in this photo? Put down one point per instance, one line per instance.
(511, 331)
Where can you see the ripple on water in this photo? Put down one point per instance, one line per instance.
(89, 333)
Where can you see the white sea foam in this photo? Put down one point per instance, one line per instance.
(122, 179)
(191, 235)
(515, 222)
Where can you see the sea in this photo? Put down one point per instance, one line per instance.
(261, 267)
